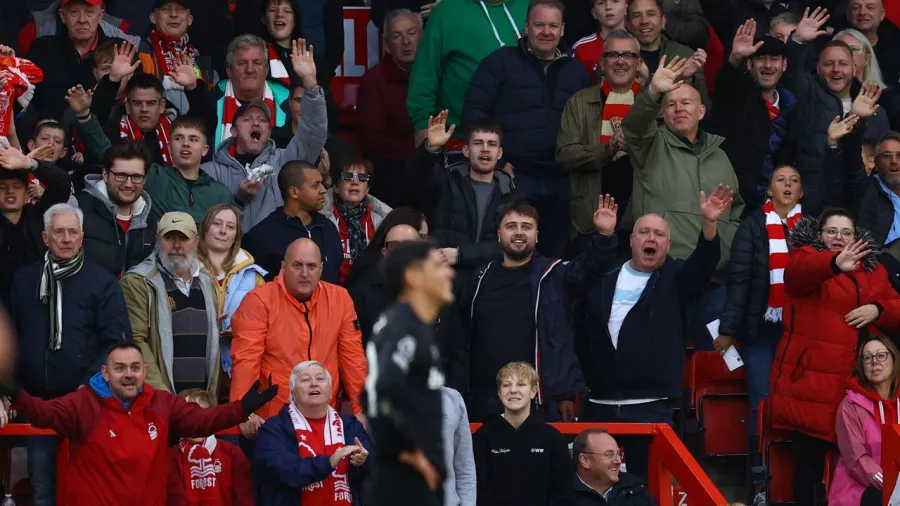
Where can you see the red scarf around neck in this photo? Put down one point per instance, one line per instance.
(778, 256)
(200, 472)
(129, 130)
(165, 47)
(615, 108)
(313, 440)
(277, 70)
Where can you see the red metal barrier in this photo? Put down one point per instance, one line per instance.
(669, 459)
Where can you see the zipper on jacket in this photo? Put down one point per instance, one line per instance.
(309, 326)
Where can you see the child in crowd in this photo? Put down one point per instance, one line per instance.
(208, 471)
(518, 458)
(610, 16)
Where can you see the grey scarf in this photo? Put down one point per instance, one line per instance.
(50, 290)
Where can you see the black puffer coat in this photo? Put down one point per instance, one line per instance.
(448, 199)
(747, 287)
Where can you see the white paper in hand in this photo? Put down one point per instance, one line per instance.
(731, 356)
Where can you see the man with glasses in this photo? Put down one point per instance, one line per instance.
(118, 231)
(591, 144)
(879, 201)
(598, 479)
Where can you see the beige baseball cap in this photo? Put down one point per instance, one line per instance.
(177, 221)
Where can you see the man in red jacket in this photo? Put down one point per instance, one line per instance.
(119, 430)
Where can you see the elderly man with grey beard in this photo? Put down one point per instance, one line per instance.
(172, 303)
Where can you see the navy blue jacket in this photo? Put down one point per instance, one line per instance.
(511, 87)
(554, 284)
(94, 317)
(270, 238)
(281, 472)
(650, 354)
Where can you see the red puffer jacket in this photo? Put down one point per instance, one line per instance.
(816, 354)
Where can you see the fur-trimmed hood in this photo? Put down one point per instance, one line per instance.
(806, 233)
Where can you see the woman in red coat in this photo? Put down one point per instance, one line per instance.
(835, 290)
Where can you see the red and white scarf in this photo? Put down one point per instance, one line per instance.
(200, 472)
(21, 76)
(615, 108)
(277, 70)
(129, 130)
(231, 105)
(335, 489)
(778, 256)
(164, 50)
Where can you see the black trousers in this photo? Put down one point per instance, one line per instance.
(871, 497)
(397, 484)
(809, 468)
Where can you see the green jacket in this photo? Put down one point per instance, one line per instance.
(669, 173)
(458, 35)
(168, 189)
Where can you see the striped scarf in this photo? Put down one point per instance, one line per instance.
(129, 130)
(21, 77)
(615, 107)
(231, 105)
(778, 255)
(50, 291)
(277, 70)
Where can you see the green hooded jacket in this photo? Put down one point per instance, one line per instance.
(458, 35)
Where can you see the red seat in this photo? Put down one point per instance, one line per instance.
(720, 397)
(710, 376)
(779, 460)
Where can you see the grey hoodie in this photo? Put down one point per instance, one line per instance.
(459, 458)
(45, 23)
(312, 129)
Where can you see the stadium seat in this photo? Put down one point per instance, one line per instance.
(710, 376)
(720, 397)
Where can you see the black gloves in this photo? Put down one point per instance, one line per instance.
(10, 388)
(253, 399)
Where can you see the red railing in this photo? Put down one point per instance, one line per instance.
(669, 459)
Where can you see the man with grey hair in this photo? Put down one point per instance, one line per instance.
(247, 65)
(333, 448)
(878, 198)
(172, 305)
(868, 16)
(386, 133)
(596, 113)
(67, 312)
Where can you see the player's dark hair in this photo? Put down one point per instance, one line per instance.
(145, 82)
(405, 256)
(122, 345)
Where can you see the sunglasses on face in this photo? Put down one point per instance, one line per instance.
(360, 176)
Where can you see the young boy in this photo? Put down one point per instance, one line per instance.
(518, 458)
(610, 14)
(208, 471)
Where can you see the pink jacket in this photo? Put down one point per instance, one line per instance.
(859, 441)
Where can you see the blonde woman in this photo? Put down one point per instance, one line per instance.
(231, 267)
(867, 68)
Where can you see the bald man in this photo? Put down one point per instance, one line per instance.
(294, 318)
(641, 307)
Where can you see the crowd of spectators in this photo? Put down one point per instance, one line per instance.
(187, 224)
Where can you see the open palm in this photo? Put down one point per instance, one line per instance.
(302, 61)
(438, 133)
(743, 46)
(605, 216)
(712, 207)
(184, 74)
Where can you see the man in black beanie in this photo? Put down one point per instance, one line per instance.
(752, 110)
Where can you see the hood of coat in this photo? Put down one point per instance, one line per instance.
(806, 233)
(710, 142)
(502, 178)
(378, 207)
(224, 157)
(95, 186)
(872, 402)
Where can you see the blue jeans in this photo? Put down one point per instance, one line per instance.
(758, 358)
(708, 307)
(636, 447)
(550, 196)
(42, 468)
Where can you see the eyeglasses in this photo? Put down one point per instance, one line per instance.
(362, 177)
(610, 455)
(626, 56)
(879, 357)
(121, 177)
(832, 232)
(889, 156)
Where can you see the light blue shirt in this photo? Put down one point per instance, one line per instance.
(894, 232)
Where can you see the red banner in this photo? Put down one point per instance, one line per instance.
(362, 48)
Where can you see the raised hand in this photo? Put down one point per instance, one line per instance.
(359, 457)
(841, 127)
(605, 216)
(255, 399)
(80, 100)
(41, 153)
(848, 259)
(438, 134)
(122, 65)
(865, 105)
(712, 207)
(810, 26)
(667, 77)
(13, 159)
(694, 64)
(184, 74)
(303, 63)
(743, 47)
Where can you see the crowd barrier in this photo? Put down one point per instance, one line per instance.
(669, 460)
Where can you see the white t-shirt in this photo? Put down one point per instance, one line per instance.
(629, 287)
(846, 103)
